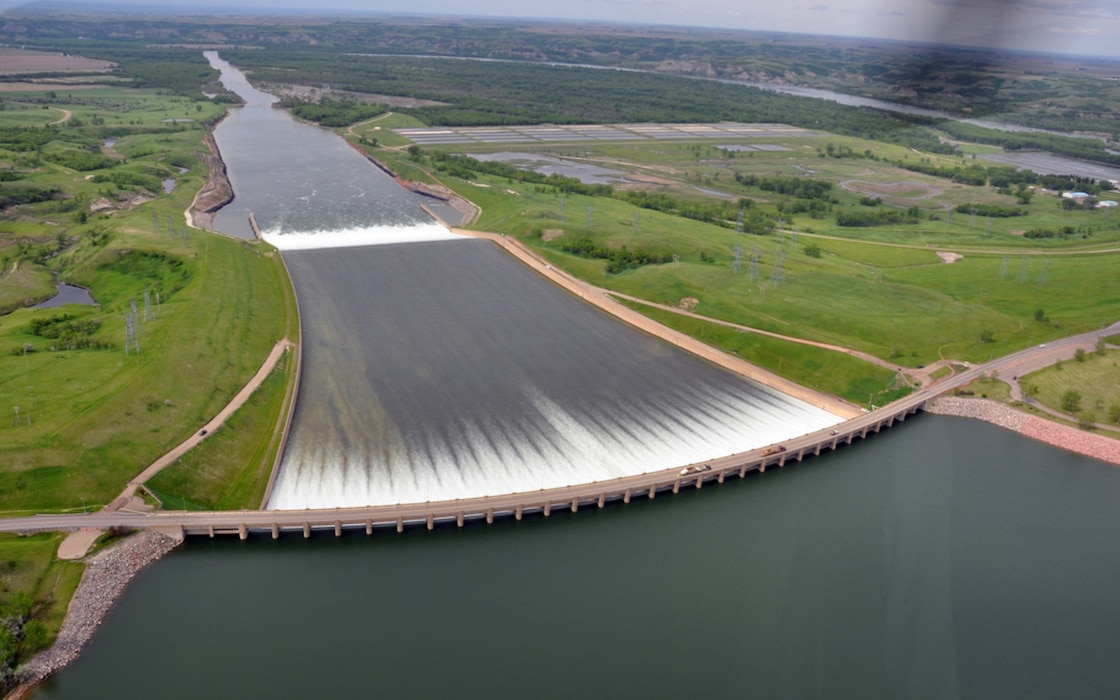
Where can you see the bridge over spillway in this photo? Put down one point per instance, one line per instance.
(460, 511)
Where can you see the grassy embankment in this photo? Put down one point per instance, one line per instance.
(90, 416)
(1092, 380)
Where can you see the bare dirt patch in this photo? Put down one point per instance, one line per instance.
(314, 94)
(688, 303)
(550, 234)
(949, 258)
(16, 61)
(908, 190)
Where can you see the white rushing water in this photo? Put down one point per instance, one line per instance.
(562, 449)
(367, 236)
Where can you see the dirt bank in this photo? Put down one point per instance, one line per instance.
(217, 192)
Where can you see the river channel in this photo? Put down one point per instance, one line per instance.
(942, 558)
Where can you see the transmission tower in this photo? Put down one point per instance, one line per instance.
(1003, 269)
(736, 267)
(752, 270)
(739, 222)
(634, 224)
(778, 274)
(149, 314)
(587, 211)
(1024, 269)
(560, 207)
(988, 228)
(1043, 278)
(130, 340)
(949, 217)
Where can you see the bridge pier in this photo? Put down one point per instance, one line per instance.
(602, 500)
(782, 459)
(700, 481)
(548, 509)
(400, 525)
(337, 528)
(677, 486)
(210, 529)
(306, 530)
(719, 478)
(489, 516)
(275, 531)
(459, 519)
(369, 526)
(762, 468)
(517, 513)
(652, 491)
(242, 532)
(850, 436)
(743, 471)
(575, 504)
(431, 522)
(863, 433)
(835, 442)
(626, 496)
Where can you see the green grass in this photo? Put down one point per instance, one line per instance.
(28, 565)
(1097, 379)
(824, 370)
(98, 417)
(230, 469)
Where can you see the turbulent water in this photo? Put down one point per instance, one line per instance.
(436, 367)
(445, 370)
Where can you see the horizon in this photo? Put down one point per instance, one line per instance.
(1090, 28)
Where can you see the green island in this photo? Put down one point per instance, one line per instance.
(888, 235)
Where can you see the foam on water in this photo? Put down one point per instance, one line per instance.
(363, 236)
(549, 448)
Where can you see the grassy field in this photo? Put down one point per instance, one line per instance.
(89, 415)
(824, 370)
(231, 468)
(29, 570)
(1094, 379)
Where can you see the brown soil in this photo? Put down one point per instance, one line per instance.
(550, 234)
(217, 192)
(16, 61)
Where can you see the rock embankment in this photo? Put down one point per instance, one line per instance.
(1063, 436)
(106, 576)
(217, 192)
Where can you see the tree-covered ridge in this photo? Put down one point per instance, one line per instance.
(1041, 91)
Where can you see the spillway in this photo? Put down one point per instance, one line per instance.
(437, 367)
(445, 370)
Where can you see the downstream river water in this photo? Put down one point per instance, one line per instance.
(943, 558)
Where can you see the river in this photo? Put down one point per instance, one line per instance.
(940, 559)
(943, 558)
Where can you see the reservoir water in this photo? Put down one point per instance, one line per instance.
(940, 559)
